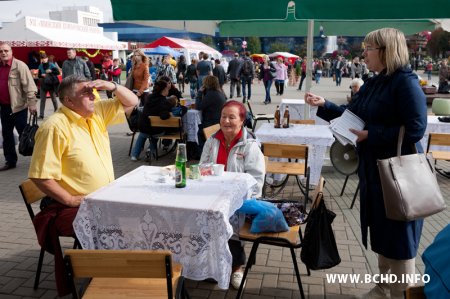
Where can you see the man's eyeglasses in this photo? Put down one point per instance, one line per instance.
(4, 51)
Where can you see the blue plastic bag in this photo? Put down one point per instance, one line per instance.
(267, 217)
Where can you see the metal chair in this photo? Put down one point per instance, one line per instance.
(257, 117)
(125, 274)
(175, 124)
(439, 139)
(32, 194)
(291, 239)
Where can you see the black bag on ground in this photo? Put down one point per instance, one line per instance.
(26, 141)
(319, 249)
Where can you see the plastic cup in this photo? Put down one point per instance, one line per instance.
(218, 169)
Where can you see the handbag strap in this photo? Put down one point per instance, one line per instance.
(401, 134)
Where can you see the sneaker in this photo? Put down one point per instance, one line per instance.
(133, 158)
(377, 292)
(236, 279)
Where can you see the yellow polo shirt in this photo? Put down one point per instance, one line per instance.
(75, 151)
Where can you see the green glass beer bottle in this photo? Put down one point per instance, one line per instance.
(180, 166)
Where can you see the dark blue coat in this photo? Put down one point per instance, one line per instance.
(385, 103)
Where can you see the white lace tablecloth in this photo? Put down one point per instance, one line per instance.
(317, 137)
(136, 211)
(191, 120)
(435, 126)
(297, 110)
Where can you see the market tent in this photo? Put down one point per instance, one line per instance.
(161, 50)
(36, 32)
(188, 48)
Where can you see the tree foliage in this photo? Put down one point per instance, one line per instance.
(208, 40)
(439, 43)
(279, 47)
(254, 45)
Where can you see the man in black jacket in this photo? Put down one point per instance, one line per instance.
(233, 71)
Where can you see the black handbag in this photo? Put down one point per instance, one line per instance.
(26, 141)
(319, 249)
(133, 119)
(50, 81)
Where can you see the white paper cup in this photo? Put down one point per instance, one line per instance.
(218, 169)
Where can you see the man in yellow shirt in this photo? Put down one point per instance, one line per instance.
(72, 158)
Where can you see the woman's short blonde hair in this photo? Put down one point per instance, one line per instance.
(393, 51)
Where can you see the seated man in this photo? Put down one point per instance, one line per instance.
(72, 158)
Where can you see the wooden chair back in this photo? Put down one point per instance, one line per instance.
(442, 139)
(209, 131)
(30, 194)
(119, 263)
(171, 122)
(318, 193)
(293, 151)
(303, 121)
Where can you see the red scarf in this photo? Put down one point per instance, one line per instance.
(224, 150)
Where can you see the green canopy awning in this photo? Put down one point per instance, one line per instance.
(198, 9)
(371, 10)
(221, 10)
(299, 28)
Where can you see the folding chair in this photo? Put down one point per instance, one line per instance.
(125, 274)
(257, 117)
(439, 139)
(209, 131)
(174, 122)
(291, 239)
(297, 168)
(303, 121)
(32, 194)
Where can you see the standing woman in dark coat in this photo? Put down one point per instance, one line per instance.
(387, 101)
(181, 72)
(210, 100)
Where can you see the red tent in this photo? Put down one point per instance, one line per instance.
(188, 48)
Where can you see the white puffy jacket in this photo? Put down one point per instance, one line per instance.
(245, 156)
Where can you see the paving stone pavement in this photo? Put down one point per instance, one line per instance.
(271, 277)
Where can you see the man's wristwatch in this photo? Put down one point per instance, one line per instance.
(115, 86)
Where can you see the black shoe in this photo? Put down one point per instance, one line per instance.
(238, 96)
(7, 166)
(266, 102)
(244, 100)
(41, 117)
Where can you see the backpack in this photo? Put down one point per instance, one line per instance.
(247, 67)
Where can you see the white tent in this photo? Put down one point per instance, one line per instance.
(284, 54)
(36, 32)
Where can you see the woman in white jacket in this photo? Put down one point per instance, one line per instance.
(237, 149)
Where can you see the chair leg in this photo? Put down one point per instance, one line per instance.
(254, 125)
(131, 144)
(297, 273)
(354, 197)
(251, 258)
(39, 268)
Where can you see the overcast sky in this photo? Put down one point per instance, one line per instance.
(40, 8)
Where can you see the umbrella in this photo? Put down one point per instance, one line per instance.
(161, 50)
